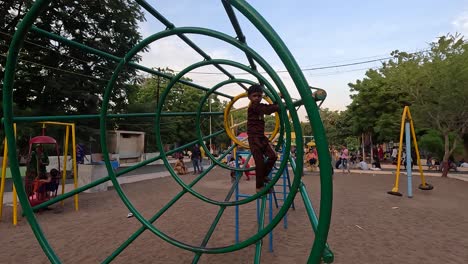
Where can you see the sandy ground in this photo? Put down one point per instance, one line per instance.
(368, 225)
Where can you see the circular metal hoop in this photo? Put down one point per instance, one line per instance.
(228, 128)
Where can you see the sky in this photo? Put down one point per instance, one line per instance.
(317, 33)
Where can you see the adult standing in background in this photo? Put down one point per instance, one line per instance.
(196, 158)
(344, 159)
(202, 156)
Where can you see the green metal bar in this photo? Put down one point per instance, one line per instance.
(326, 192)
(117, 187)
(297, 77)
(115, 58)
(118, 174)
(218, 217)
(207, 95)
(12, 58)
(258, 245)
(238, 30)
(158, 214)
(159, 140)
(294, 117)
(81, 117)
(169, 25)
(328, 256)
(202, 101)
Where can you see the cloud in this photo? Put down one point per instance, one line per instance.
(170, 52)
(461, 23)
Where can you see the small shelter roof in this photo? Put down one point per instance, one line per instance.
(42, 140)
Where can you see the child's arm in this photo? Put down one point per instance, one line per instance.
(267, 109)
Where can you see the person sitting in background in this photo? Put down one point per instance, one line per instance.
(311, 157)
(363, 165)
(463, 163)
(451, 164)
(353, 160)
(179, 166)
(437, 165)
(430, 163)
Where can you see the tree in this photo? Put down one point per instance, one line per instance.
(182, 98)
(336, 126)
(53, 78)
(434, 83)
(439, 89)
(376, 107)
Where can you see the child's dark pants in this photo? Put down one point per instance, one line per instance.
(260, 147)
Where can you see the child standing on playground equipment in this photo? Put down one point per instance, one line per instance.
(258, 142)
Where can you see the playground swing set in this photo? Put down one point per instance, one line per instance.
(40, 185)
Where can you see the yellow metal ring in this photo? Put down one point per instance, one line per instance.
(230, 132)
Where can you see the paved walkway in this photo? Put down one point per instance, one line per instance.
(158, 171)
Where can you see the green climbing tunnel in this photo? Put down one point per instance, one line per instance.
(288, 121)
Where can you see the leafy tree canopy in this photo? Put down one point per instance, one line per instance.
(55, 79)
(433, 82)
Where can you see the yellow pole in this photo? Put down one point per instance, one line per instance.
(65, 159)
(4, 166)
(400, 148)
(15, 207)
(75, 169)
(15, 202)
(415, 142)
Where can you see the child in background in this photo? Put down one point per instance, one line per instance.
(232, 164)
(179, 166)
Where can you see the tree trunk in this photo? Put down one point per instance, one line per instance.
(465, 144)
(444, 164)
(363, 148)
(445, 168)
(447, 152)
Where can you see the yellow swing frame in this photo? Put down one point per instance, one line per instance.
(406, 117)
(68, 127)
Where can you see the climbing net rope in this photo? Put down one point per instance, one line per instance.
(285, 123)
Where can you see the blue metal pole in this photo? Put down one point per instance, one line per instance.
(408, 159)
(237, 212)
(258, 212)
(285, 218)
(270, 217)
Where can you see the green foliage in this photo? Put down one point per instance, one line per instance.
(432, 82)
(176, 130)
(337, 126)
(55, 79)
(270, 123)
(433, 143)
(376, 106)
(352, 143)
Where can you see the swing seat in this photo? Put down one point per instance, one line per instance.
(427, 187)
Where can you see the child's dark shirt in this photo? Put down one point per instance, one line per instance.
(255, 118)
